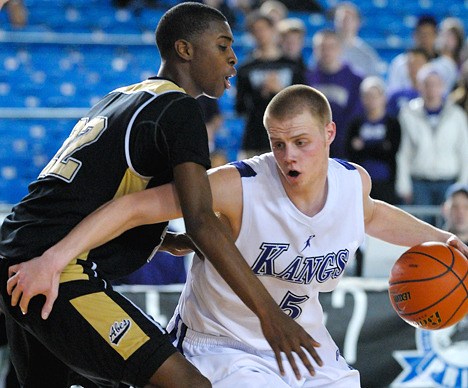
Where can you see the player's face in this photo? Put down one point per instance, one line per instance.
(301, 146)
(213, 60)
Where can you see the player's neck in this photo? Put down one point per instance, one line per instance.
(181, 77)
(309, 199)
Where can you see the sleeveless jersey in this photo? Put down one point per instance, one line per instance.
(295, 256)
(129, 141)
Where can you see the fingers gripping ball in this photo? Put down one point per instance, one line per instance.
(428, 286)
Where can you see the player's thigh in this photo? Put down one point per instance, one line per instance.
(127, 345)
(32, 361)
(101, 334)
(176, 371)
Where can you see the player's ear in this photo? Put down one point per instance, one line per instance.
(330, 132)
(183, 49)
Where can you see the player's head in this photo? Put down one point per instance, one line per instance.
(195, 43)
(294, 99)
(184, 21)
(299, 124)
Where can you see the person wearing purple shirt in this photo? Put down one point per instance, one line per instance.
(373, 140)
(416, 58)
(338, 82)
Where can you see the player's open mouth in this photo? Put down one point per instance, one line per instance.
(227, 82)
(293, 173)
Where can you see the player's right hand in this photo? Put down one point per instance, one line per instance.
(31, 278)
(286, 336)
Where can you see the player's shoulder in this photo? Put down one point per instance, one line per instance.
(340, 164)
(342, 169)
(255, 166)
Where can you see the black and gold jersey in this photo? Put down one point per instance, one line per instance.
(129, 141)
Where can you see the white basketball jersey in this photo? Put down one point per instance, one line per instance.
(295, 256)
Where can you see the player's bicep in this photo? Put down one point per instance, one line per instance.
(226, 186)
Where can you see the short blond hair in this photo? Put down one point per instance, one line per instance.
(296, 99)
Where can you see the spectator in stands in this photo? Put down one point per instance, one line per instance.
(226, 9)
(260, 76)
(292, 40)
(455, 211)
(362, 58)
(374, 138)
(214, 120)
(338, 82)
(449, 43)
(274, 9)
(416, 58)
(212, 116)
(460, 94)
(424, 36)
(433, 152)
(312, 6)
(17, 12)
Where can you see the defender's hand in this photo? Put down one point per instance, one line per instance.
(31, 278)
(287, 336)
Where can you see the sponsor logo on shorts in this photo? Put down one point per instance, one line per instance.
(118, 330)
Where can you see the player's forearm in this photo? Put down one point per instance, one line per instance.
(114, 218)
(398, 227)
(101, 226)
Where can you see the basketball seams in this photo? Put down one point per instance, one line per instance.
(449, 268)
(407, 282)
(435, 303)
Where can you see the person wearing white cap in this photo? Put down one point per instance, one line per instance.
(433, 151)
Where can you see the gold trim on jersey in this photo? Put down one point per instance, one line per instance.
(130, 183)
(114, 325)
(157, 86)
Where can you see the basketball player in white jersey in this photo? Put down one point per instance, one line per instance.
(297, 217)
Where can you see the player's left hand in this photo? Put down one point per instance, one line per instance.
(31, 278)
(455, 242)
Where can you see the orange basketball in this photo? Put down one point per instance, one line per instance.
(428, 286)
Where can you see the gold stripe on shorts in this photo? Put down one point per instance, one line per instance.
(111, 322)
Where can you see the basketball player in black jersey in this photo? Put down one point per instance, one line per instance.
(136, 137)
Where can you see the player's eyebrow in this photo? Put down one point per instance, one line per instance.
(229, 38)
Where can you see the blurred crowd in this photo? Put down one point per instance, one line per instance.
(404, 120)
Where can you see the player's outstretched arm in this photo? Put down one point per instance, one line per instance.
(41, 275)
(396, 226)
